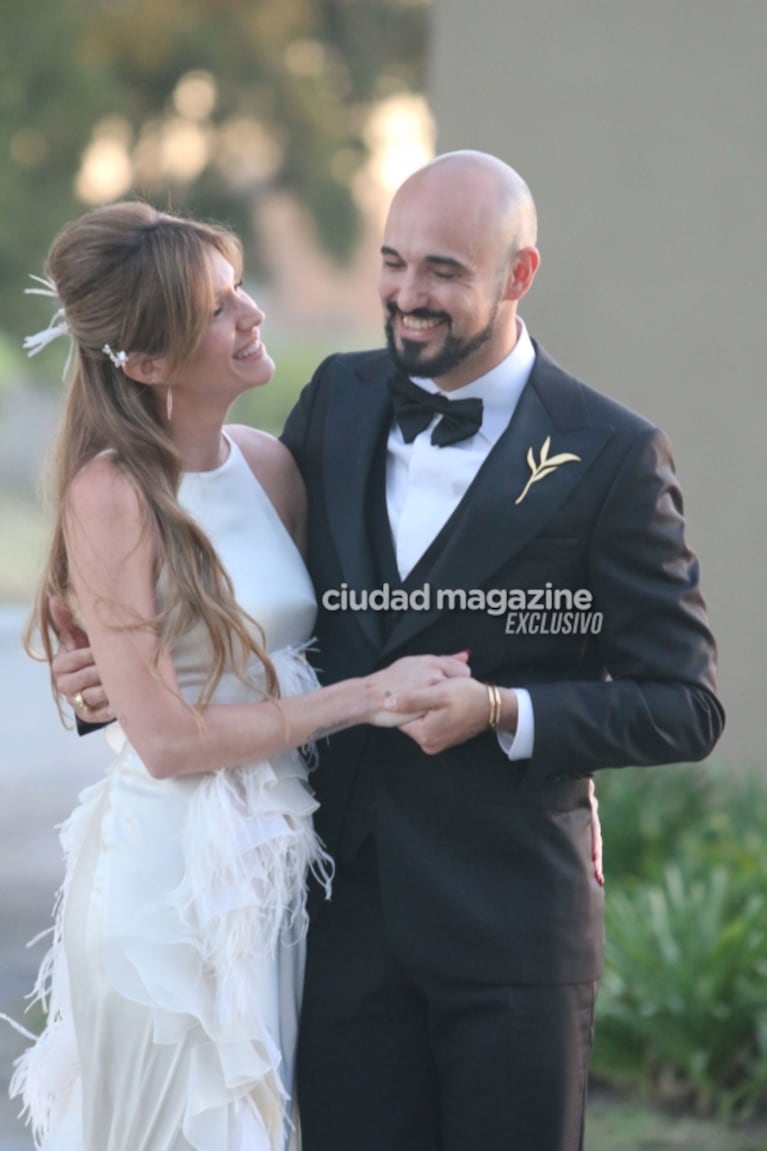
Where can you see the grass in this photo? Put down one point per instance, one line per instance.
(617, 1123)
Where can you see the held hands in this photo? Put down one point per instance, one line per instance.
(450, 712)
(75, 674)
(408, 677)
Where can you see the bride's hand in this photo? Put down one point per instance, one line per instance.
(412, 672)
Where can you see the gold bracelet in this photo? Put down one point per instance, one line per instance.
(494, 697)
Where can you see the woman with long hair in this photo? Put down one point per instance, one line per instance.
(173, 983)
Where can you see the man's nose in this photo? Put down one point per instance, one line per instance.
(411, 293)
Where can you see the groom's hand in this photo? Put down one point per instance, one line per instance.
(453, 711)
(74, 672)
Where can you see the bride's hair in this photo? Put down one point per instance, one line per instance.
(131, 278)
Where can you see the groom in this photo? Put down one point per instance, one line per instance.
(497, 505)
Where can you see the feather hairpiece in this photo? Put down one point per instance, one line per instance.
(58, 325)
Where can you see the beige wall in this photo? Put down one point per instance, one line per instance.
(640, 126)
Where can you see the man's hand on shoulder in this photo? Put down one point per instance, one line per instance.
(74, 672)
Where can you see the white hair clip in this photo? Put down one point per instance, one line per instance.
(58, 325)
(119, 359)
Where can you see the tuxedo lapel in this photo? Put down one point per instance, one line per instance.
(355, 427)
(492, 522)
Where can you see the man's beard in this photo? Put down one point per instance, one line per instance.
(454, 352)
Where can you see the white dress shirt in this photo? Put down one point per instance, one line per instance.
(425, 484)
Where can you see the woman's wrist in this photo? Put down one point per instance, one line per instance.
(371, 697)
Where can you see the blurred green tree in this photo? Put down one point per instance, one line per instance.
(201, 105)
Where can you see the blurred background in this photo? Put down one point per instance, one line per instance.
(639, 125)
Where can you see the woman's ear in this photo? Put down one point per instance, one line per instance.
(147, 369)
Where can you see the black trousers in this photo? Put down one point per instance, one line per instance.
(390, 1060)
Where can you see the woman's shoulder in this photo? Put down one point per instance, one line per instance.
(101, 484)
(275, 469)
(267, 457)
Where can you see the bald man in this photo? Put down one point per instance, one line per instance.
(467, 493)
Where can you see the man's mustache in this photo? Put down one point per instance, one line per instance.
(417, 313)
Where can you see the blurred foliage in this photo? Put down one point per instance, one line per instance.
(648, 813)
(268, 407)
(292, 82)
(682, 1011)
(14, 365)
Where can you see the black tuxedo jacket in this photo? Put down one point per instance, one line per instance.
(485, 863)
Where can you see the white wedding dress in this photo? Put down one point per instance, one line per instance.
(174, 979)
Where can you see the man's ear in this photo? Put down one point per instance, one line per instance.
(147, 369)
(522, 273)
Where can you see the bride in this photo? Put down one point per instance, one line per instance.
(173, 983)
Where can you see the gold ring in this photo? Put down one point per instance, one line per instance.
(78, 702)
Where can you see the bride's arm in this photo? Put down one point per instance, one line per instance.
(112, 564)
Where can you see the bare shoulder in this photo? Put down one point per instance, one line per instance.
(102, 491)
(268, 458)
(275, 469)
(105, 522)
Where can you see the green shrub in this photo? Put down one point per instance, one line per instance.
(647, 814)
(734, 831)
(682, 1011)
(682, 1006)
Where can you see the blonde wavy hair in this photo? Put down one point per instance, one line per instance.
(139, 280)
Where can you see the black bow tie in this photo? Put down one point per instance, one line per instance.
(414, 409)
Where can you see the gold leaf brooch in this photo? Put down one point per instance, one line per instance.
(545, 466)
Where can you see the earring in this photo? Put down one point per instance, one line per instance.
(169, 402)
